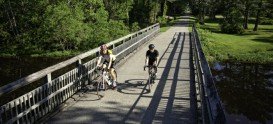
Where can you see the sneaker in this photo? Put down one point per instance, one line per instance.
(114, 85)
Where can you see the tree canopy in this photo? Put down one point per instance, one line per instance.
(232, 11)
(34, 27)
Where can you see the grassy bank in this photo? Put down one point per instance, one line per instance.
(165, 26)
(249, 47)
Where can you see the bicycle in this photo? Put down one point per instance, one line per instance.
(152, 76)
(105, 80)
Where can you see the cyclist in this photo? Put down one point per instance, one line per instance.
(108, 59)
(152, 57)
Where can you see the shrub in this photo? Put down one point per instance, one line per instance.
(135, 27)
(232, 23)
(266, 21)
(162, 20)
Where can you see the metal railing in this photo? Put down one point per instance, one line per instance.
(211, 107)
(33, 105)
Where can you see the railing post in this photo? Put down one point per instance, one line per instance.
(79, 66)
(1, 110)
(48, 80)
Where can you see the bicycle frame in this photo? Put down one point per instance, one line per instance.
(152, 72)
(105, 78)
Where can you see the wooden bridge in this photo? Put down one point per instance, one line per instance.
(184, 91)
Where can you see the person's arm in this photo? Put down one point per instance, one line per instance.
(157, 58)
(147, 58)
(98, 61)
(110, 62)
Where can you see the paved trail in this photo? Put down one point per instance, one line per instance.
(169, 101)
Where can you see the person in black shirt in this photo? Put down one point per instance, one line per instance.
(152, 56)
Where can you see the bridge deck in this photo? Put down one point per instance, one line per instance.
(169, 101)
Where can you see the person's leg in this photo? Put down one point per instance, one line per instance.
(155, 68)
(150, 63)
(103, 66)
(113, 75)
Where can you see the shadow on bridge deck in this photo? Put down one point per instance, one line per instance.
(172, 99)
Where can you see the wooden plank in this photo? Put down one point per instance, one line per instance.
(58, 95)
(49, 92)
(45, 95)
(65, 82)
(34, 110)
(71, 90)
(1, 112)
(21, 109)
(41, 97)
(30, 114)
(25, 107)
(63, 92)
(11, 115)
(36, 101)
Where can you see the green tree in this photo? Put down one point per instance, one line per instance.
(232, 18)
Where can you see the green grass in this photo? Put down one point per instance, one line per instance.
(249, 47)
(165, 26)
(191, 22)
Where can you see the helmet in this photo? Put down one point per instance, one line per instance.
(151, 46)
(103, 47)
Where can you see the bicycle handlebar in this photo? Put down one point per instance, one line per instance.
(148, 66)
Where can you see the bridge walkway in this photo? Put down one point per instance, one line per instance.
(171, 99)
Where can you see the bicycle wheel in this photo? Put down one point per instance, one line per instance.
(153, 78)
(100, 86)
(149, 84)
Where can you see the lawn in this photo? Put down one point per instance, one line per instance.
(249, 47)
(165, 26)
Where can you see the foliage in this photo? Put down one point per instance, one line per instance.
(135, 27)
(39, 27)
(248, 8)
(249, 47)
(266, 21)
(36, 27)
(231, 23)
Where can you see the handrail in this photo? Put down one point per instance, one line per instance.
(212, 110)
(33, 105)
(42, 73)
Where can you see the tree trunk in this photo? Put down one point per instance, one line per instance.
(164, 8)
(246, 15)
(202, 16)
(201, 12)
(13, 19)
(10, 20)
(212, 15)
(258, 16)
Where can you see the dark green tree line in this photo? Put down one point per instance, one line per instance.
(33, 27)
(236, 13)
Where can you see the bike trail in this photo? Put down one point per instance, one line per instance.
(170, 99)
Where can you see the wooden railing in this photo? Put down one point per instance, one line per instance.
(211, 108)
(33, 105)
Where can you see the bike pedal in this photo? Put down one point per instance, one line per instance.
(114, 88)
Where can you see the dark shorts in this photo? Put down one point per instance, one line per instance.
(151, 62)
(112, 65)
